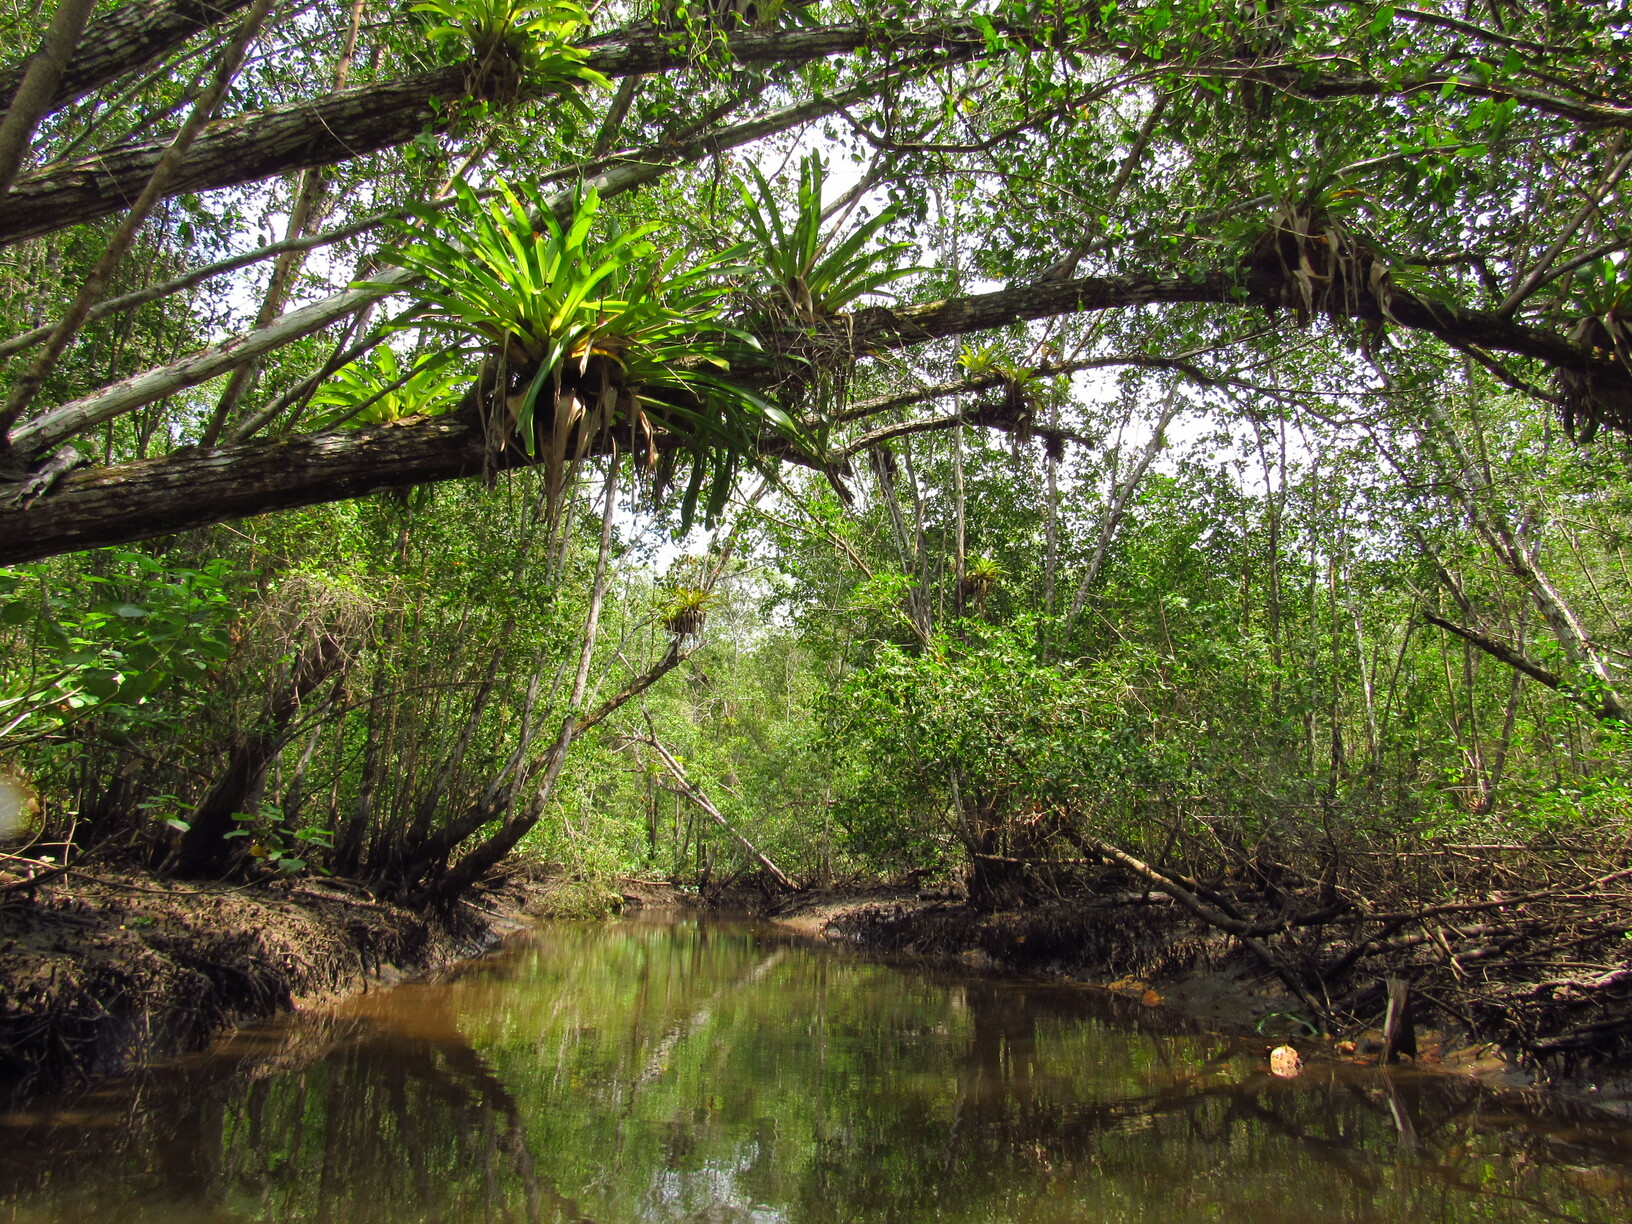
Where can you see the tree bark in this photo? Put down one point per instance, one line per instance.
(235, 151)
(194, 487)
(126, 39)
(46, 432)
(366, 118)
(39, 82)
(153, 189)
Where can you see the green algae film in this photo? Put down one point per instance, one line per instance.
(713, 1072)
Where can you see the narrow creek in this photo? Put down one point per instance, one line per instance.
(713, 1071)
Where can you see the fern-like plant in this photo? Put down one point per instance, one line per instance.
(982, 574)
(980, 578)
(582, 334)
(977, 361)
(684, 611)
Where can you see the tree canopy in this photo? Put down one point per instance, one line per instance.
(204, 204)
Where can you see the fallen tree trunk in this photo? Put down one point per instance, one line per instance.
(691, 791)
(194, 487)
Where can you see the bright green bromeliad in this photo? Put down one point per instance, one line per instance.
(591, 337)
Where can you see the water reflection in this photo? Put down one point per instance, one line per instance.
(703, 1073)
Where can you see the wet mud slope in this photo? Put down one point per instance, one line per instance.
(99, 972)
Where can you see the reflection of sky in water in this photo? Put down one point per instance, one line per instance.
(693, 1074)
(712, 1193)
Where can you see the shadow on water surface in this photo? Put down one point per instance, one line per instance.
(720, 1072)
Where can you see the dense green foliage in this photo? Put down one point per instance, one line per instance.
(1285, 527)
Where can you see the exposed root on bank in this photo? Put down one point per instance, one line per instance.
(1528, 949)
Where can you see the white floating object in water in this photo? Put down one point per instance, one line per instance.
(1284, 1062)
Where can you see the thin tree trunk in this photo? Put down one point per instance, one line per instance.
(153, 190)
(350, 837)
(1492, 781)
(1051, 509)
(1274, 504)
(693, 792)
(920, 547)
(1491, 522)
(906, 547)
(303, 213)
(1368, 678)
(1121, 497)
(453, 760)
(477, 862)
(32, 100)
(294, 795)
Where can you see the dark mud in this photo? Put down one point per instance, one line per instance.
(101, 971)
(1145, 948)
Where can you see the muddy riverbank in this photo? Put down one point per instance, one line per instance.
(105, 970)
(102, 970)
(1147, 950)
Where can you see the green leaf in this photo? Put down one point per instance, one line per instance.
(101, 683)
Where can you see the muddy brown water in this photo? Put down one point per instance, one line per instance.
(713, 1071)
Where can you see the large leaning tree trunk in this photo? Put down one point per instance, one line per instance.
(195, 487)
(133, 36)
(348, 123)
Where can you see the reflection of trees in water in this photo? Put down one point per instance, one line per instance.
(1388, 1148)
(383, 1129)
(664, 1077)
